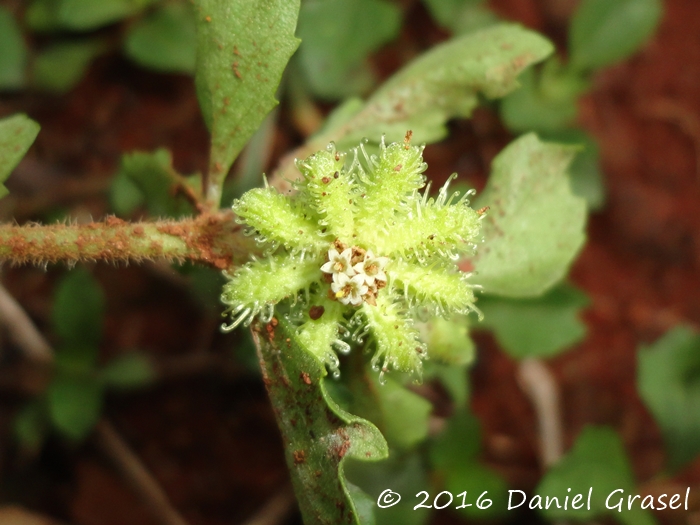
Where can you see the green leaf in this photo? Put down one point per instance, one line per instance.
(444, 83)
(157, 180)
(586, 175)
(668, 379)
(318, 435)
(607, 31)
(60, 67)
(13, 52)
(405, 474)
(453, 455)
(130, 370)
(166, 40)
(458, 444)
(41, 15)
(404, 415)
(337, 36)
(539, 327)
(598, 461)
(535, 225)
(461, 16)
(448, 340)
(16, 135)
(75, 404)
(30, 425)
(243, 47)
(544, 102)
(124, 195)
(78, 309)
(85, 15)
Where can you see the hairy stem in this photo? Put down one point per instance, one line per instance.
(212, 239)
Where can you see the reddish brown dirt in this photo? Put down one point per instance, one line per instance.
(211, 440)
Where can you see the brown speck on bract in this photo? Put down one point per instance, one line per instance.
(398, 167)
(299, 457)
(315, 312)
(305, 377)
(207, 19)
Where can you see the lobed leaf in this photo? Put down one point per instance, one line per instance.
(318, 435)
(16, 135)
(243, 47)
(535, 225)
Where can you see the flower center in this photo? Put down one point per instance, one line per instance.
(356, 275)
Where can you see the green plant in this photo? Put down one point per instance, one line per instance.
(531, 233)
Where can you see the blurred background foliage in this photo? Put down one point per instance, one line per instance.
(46, 49)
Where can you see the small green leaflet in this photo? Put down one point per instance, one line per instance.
(605, 31)
(13, 52)
(165, 40)
(536, 327)
(597, 461)
(16, 135)
(337, 36)
(668, 379)
(60, 67)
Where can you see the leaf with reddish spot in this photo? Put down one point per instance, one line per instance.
(317, 433)
(243, 47)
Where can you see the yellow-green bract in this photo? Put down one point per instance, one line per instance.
(358, 251)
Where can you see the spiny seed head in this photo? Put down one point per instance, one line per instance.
(356, 253)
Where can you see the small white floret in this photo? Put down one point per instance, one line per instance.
(339, 263)
(372, 268)
(349, 290)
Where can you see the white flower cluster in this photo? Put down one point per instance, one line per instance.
(356, 274)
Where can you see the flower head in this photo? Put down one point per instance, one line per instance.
(357, 252)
